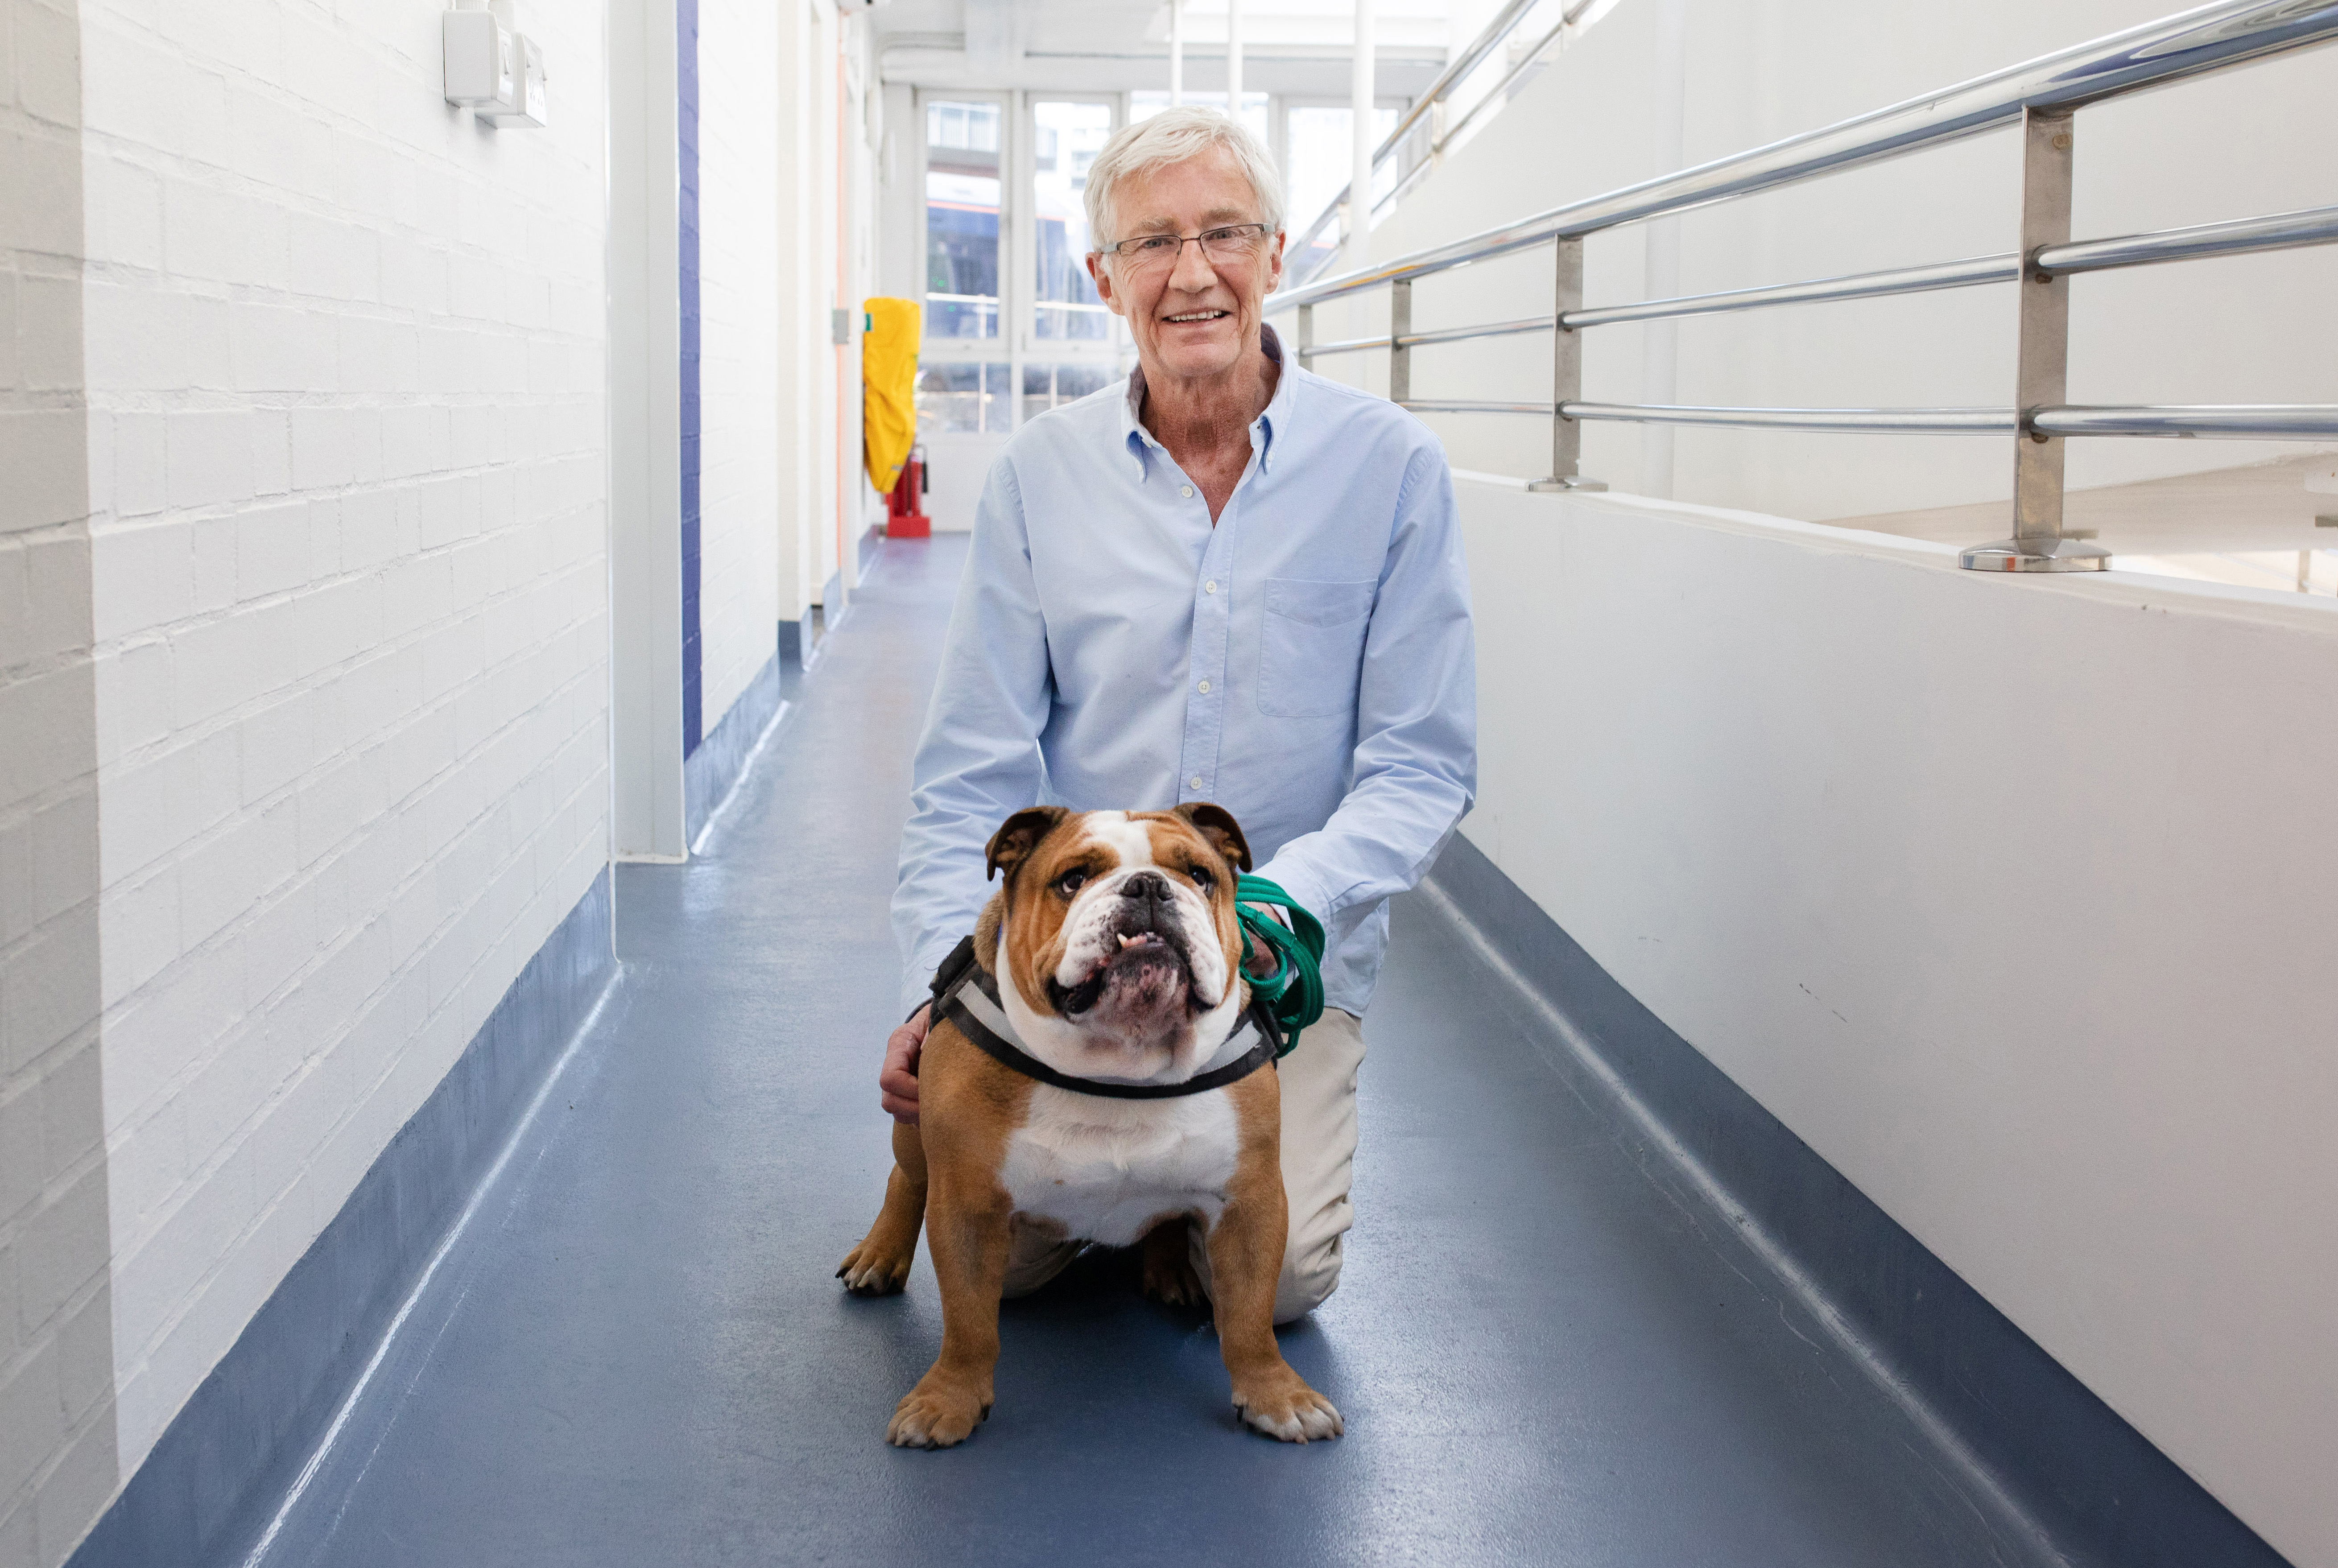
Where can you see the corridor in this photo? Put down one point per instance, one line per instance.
(1547, 1347)
(1786, 550)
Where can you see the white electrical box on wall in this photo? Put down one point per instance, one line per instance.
(528, 101)
(482, 64)
(492, 70)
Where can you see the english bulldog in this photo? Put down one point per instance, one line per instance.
(1112, 953)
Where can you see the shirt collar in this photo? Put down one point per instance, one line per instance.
(1276, 417)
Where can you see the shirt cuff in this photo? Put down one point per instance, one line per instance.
(1296, 880)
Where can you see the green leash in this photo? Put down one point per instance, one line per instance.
(1293, 994)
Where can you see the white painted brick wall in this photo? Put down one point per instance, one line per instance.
(57, 1461)
(740, 100)
(345, 359)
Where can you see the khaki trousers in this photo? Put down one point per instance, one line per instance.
(1319, 1154)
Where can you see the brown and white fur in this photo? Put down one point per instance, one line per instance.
(1113, 939)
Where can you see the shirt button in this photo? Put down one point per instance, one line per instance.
(1205, 688)
(1196, 781)
(1187, 491)
(1209, 587)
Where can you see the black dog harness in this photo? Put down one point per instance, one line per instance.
(966, 994)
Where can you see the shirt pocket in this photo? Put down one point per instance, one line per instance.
(1310, 647)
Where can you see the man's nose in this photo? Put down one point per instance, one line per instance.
(1146, 886)
(1193, 272)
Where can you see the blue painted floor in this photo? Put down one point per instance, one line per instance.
(1546, 1349)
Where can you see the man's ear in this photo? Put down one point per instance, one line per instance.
(1017, 836)
(1217, 824)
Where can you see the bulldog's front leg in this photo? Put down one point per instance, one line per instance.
(966, 1231)
(1246, 1260)
(879, 1265)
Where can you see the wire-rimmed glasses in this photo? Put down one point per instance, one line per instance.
(1232, 244)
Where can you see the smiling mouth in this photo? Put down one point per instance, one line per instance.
(1198, 316)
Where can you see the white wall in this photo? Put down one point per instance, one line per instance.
(346, 464)
(2011, 897)
(803, 326)
(644, 355)
(2263, 329)
(739, 119)
(306, 416)
(824, 97)
(58, 1459)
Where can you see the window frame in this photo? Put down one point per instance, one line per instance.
(1114, 346)
(967, 348)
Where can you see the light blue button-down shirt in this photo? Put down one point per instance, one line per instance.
(1307, 663)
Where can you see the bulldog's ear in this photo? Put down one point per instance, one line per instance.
(1217, 824)
(1017, 836)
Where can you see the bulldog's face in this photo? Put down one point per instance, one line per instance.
(1116, 942)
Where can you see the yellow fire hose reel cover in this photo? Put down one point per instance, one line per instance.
(889, 377)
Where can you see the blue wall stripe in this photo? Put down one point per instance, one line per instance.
(211, 1481)
(2101, 1491)
(686, 138)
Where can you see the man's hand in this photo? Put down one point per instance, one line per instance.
(1262, 958)
(897, 1081)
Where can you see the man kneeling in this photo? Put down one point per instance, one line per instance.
(1226, 579)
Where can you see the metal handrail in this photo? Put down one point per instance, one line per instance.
(2244, 236)
(2235, 421)
(2155, 55)
(1504, 23)
(2259, 421)
(1866, 421)
(2280, 231)
(2042, 95)
(1444, 335)
(1964, 274)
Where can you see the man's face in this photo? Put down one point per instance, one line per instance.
(1199, 318)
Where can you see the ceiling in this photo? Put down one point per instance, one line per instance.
(1292, 46)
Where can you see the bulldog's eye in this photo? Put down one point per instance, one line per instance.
(1203, 879)
(1070, 882)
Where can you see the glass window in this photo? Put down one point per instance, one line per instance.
(961, 219)
(1066, 139)
(1047, 387)
(962, 400)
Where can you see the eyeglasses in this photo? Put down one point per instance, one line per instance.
(1235, 242)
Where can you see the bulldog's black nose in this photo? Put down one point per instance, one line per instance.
(1146, 886)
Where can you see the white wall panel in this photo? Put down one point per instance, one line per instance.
(347, 430)
(739, 105)
(58, 1459)
(2007, 897)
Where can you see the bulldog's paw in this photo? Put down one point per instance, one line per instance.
(937, 1415)
(1284, 1406)
(1166, 1267)
(875, 1267)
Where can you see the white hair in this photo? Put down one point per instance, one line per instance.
(1169, 137)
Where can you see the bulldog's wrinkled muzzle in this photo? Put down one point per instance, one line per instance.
(1148, 969)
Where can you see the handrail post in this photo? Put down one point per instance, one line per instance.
(1567, 375)
(1399, 351)
(1307, 336)
(2042, 377)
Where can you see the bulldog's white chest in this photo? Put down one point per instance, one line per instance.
(1103, 1168)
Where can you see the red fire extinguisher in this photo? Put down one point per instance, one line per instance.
(905, 514)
